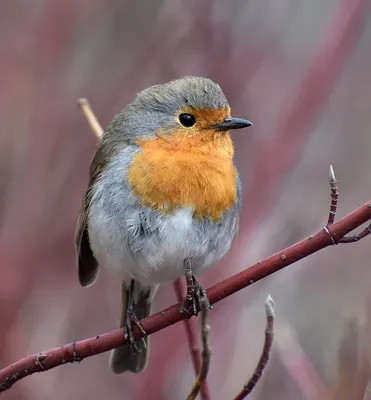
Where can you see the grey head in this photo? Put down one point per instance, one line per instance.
(157, 107)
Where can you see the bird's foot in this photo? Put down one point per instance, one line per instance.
(192, 302)
(130, 320)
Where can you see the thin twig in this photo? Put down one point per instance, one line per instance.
(206, 348)
(193, 343)
(332, 214)
(264, 358)
(90, 117)
(334, 197)
(358, 236)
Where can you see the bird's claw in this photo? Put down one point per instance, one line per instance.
(192, 303)
(131, 319)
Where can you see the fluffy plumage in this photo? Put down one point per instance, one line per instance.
(160, 193)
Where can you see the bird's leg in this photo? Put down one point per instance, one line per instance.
(130, 319)
(194, 292)
(201, 292)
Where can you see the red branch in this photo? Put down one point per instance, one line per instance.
(75, 352)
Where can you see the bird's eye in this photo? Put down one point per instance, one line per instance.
(187, 120)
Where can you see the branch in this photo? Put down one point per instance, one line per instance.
(332, 213)
(194, 349)
(264, 358)
(357, 237)
(206, 348)
(99, 344)
(90, 117)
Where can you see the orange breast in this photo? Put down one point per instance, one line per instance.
(181, 170)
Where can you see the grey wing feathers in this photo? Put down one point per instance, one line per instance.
(87, 264)
(109, 145)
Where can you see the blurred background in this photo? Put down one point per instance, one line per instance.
(301, 71)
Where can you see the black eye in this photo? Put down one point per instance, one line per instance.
(187, 120)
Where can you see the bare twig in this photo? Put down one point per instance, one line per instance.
(206, 348)
(264, 358)
(193, 343)
(108, 341)
(332, 214)
(334, 197)
(358, 236)
(90, 117)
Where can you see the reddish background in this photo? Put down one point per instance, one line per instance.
(301, 71)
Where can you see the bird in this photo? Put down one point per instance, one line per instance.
(163, 200)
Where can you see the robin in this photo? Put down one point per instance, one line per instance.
(163, 199)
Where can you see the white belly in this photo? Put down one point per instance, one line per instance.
(161, 256)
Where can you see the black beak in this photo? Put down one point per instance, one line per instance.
(232, 123)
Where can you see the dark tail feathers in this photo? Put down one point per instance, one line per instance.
(125, 358)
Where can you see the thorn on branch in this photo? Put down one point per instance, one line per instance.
(206, 347)
(90, 117)
(264, 358)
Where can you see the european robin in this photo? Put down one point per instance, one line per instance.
(163, 199)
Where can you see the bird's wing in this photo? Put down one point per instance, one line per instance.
(87, 264)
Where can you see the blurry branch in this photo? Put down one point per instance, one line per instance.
(90, 117)
(297, 116)
(44, 361)
(264, 358)
(190, 329)
(298, 365)
(191, 333)
(206, 348)
(353, 364)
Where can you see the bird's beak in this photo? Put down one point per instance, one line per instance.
(232, 123)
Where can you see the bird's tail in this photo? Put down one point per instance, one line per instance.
(125, 358)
